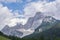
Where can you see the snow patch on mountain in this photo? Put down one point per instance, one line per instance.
(26, 32)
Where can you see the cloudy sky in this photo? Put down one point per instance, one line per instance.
(14, 11)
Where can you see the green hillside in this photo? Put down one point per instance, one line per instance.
(4, 38)
(50, 34)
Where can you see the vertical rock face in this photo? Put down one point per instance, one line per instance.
(29, 23)
(37, 20)
(39, 15)
(34, 23)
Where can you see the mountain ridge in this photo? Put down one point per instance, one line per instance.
(32, 24)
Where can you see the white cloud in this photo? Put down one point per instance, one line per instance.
(19, 1)
(58, 1)
(14, 1)
(9, 1)
(14, 21)
(5, 15)
(48, 8)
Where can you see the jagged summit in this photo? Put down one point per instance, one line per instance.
(32, 24)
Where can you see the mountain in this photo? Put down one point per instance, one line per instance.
(11, 32)
(34, 20)
(37, 20)
(34, 24)
(51, 33)
(47, 23)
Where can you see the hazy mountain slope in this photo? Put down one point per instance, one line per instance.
(39, 22)
(54, 31)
